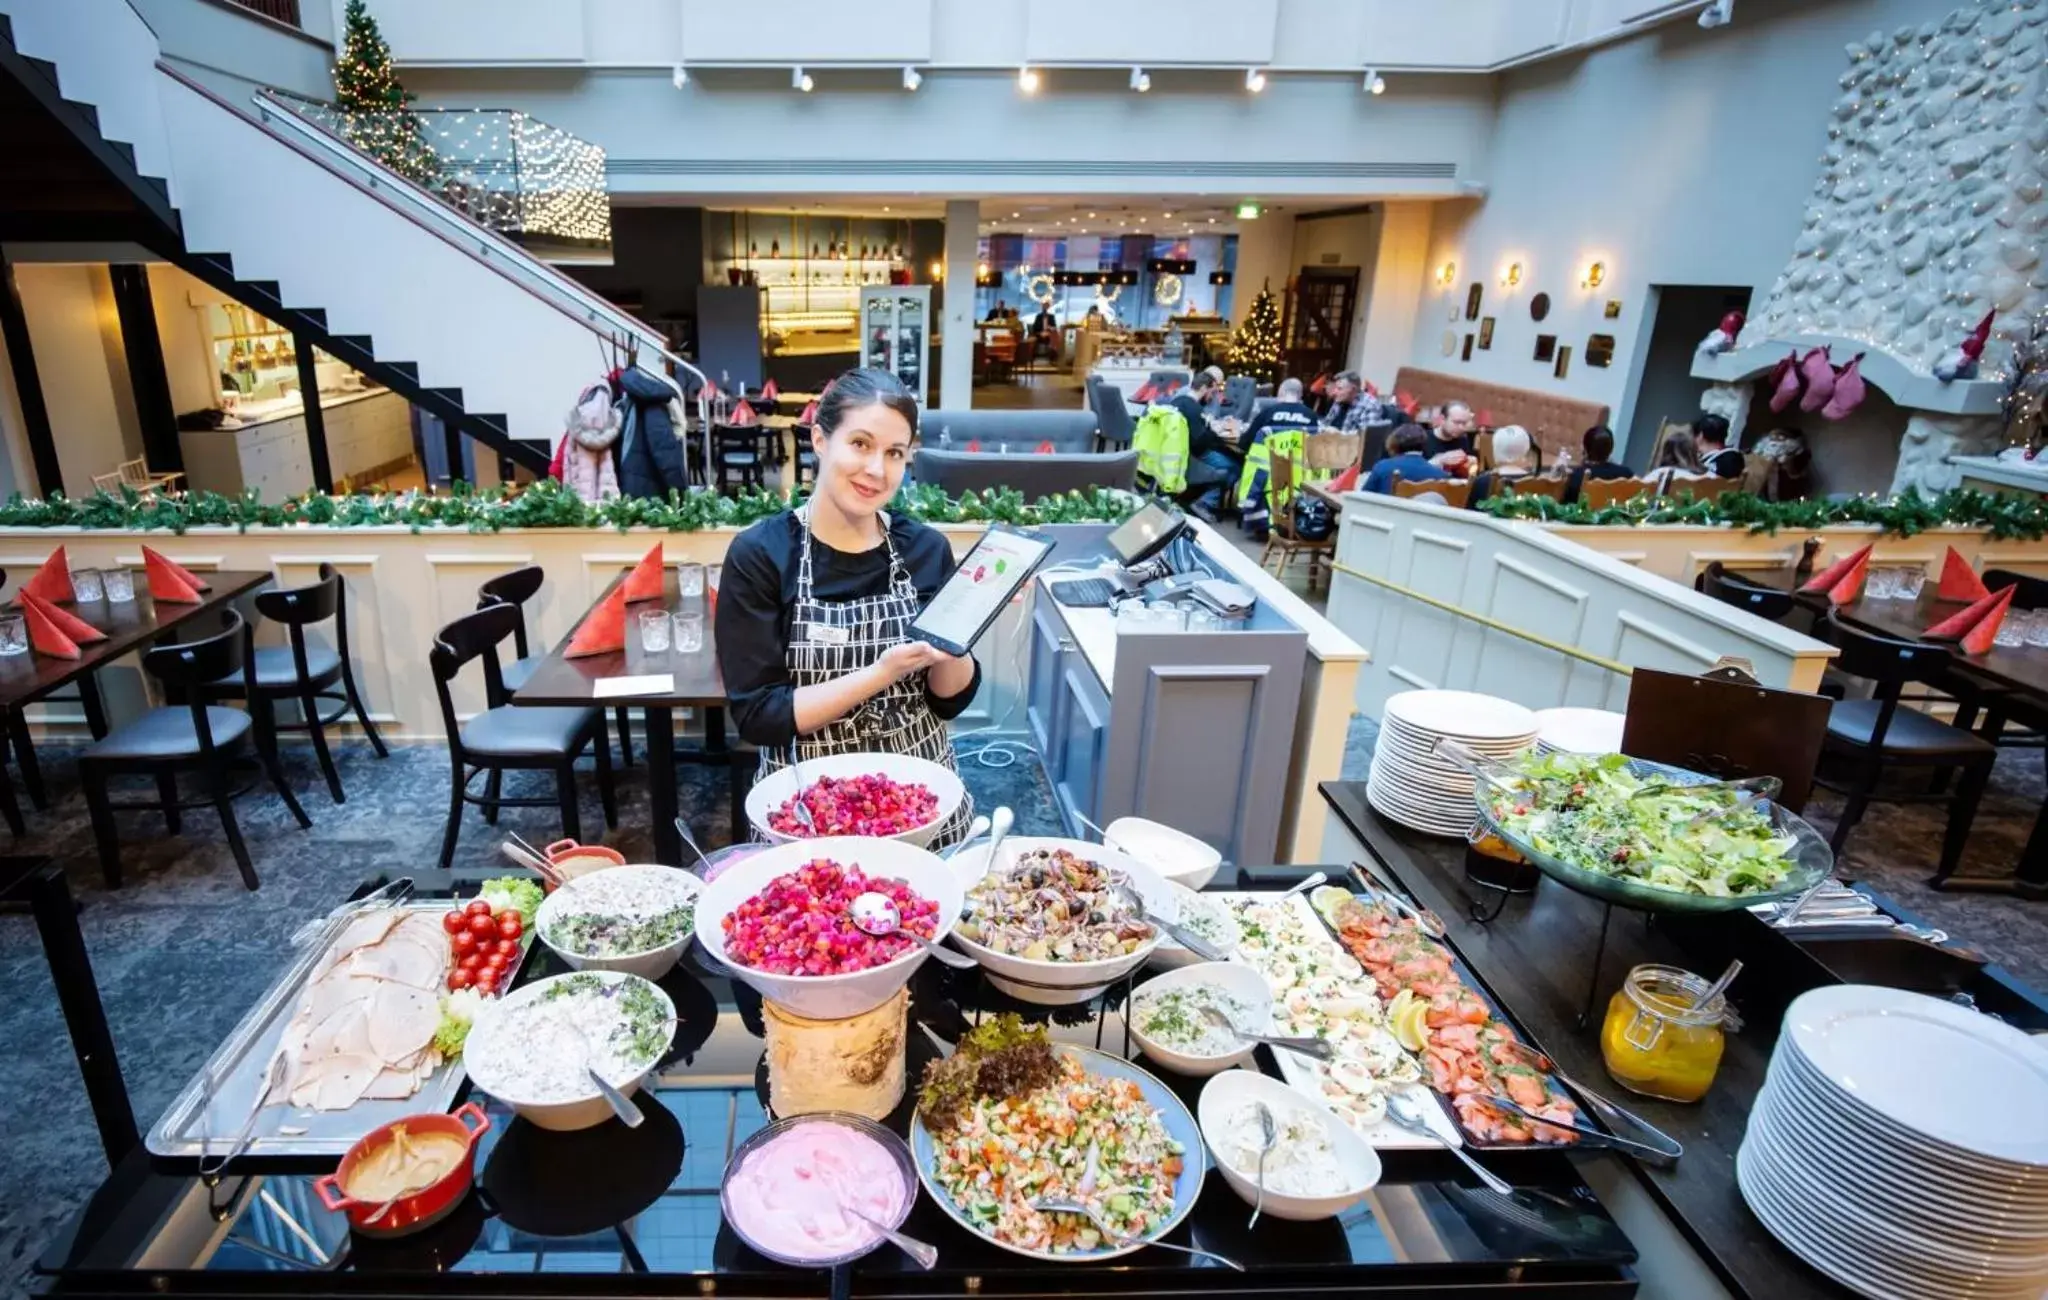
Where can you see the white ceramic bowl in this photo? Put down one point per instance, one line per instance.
(776, 789)
(1062, 983)
(829, 997)
(1223, 1095)
(1176, 855)
(575, 896)
(1241, 982)
(562, 1116)
(1169, 955)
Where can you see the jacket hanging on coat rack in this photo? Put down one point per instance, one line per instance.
(651, 460)
(583, 458)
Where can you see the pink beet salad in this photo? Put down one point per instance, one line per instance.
(798, 924)
(869, 804)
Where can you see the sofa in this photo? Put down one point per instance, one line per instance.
(1035, 474)
(1554, 422)
(1069, 431)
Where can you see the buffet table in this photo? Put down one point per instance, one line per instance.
(1535, 958)
(614, 1211)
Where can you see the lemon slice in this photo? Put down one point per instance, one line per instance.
(1411, 1027)
(1398, 1005)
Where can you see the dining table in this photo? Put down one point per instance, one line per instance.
(2020, 671)
(33, 677)
(675, 679)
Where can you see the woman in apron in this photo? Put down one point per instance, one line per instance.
(814, 604)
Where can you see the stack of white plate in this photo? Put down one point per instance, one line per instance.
(1579, 731)
(1900, 1145)
(1414, 785)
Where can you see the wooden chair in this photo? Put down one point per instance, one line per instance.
(1535, 486)
(108, 483)
(1282, 537)
(1456, 492)
(303, 671)
(505, 737)
(1876, 736)
(1701, 489)
(193, 736)
(138, 475)
(1598, 494)
(1329, 454)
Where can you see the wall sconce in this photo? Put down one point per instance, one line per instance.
(1595, 276)
(938, 270)
(1446, 275)
(1511, 275)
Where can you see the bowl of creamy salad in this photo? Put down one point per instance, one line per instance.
(533, 1048)
(1166, 1016)
(1317, 1168)
(1209, 917)
(636, 919)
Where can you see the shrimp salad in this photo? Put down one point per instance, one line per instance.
(1050, 905)
(1320, 991)
(1005, 1154)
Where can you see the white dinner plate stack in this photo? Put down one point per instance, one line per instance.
(1414, 785)
(1578, 731)
(1900, 1145)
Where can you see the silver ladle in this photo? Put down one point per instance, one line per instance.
(875, 913)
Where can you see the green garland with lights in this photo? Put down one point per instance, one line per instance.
(2005, 517)
(546, 504)
(375, 116)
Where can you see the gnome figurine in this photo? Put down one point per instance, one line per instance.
(1961, 362)
(1724, 336)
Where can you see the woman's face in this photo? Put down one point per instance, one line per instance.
(861, 464)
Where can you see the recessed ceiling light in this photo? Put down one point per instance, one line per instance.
(800, 80)
(1141, 80)
(1254, 80)
(1027, 80)
(885, 207)
(1015, 215)
(1374, 82)
(1169, 216)
(912, 79)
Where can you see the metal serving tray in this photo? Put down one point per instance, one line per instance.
(211, 1119)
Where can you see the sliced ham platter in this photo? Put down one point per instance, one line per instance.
(340, 1045)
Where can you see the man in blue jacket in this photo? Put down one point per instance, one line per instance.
(1404, 458)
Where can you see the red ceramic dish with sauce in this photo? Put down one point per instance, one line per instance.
(426, 1206)
(562, 851)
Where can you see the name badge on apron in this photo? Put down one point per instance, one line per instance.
(826, 634)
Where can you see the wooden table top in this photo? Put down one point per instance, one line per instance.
(2022, 668)
(573, 682)
(24, 679)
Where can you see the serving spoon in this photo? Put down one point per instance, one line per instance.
(875, 913)
(924, 1253)
(1268, 1137)
(1061, 1205)
(1314, 1048)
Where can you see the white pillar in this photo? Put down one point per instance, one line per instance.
(956, 331)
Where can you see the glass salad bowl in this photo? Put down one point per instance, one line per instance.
(1677, 840)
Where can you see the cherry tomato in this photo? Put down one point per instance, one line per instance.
(477, 907)
(460, 979)
(470, 961)
(454, 920)
(482, 926)
(508, 949)
(510, 926)
(462, 941)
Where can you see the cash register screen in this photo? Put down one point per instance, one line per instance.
(1145, 534)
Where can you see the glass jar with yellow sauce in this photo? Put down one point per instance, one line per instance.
(1656, 1042)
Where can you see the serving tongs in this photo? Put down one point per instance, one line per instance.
(1656, 1147)
(1378, 891)
(377, 900)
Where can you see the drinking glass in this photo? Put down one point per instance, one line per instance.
(1881, 585)
(690, 579)
(2037, 627)
(1168, 618)
(13, 634)
(689, 632)
(653, 630)
(85, 584)
(2012, 629)
(1203, 620)
(1911, 580)
(119, 584)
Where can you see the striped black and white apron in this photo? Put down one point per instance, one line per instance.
(831, 638)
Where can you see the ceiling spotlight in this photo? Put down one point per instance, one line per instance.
(800, 80)
(912, 79)
(1027, 80)
(1141, 80)
(678, 77)
(1375, 83)
(1254, 80)
(1091, 216)
(1169, 216)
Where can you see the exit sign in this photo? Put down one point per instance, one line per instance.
(1248, 211)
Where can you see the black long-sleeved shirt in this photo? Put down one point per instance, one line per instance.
(757, 603)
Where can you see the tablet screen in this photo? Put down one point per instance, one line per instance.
(1145, 533)
(999, 563)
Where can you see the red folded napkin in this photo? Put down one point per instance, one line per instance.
(770, 391)
(1958, 580)
(809, 415)
(1842, 580)
(44, 634)
(53, 580)
(1975, 628)
(1145, 393)
(170, 581)
(74, 628)
(743, 414)
(603, 629)
(645, 581)
(1345, 482)
(1045, 448)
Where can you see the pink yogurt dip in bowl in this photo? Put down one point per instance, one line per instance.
(788, 1187)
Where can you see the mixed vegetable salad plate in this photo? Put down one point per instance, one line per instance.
(985, 1158)
(1648, 835)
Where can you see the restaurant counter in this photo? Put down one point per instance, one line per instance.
(1537, 959)
(613, 1211)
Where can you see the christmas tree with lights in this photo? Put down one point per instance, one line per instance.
(1255, 348)
(373, 103)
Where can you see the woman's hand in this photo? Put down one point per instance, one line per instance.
(900, 661)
